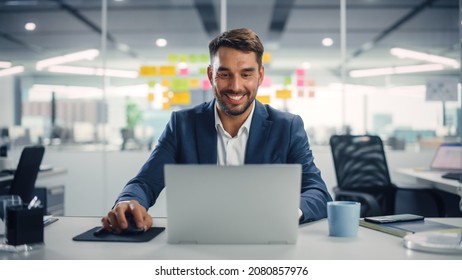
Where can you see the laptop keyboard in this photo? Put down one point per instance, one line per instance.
(453, 176)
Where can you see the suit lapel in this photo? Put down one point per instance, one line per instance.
(258, 137)
(206, 135)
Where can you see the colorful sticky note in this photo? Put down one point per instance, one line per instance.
(206, 84)
(167, 94)
(183, 58)
(266, 57)
(193, 58)
(166, 106)
(167, 70)
(183, 71)
(172, 58)
(150, 97)
(283, 94)
(203, 70)
(145, 71)
(165, 83)
(265, 99)
(194, 83)
(181, 98)
(204, 58)
(180, 84)
(266, 82)
(287, 80)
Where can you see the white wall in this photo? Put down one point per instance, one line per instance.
(91, 192)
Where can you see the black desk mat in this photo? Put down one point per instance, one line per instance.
(109, 237)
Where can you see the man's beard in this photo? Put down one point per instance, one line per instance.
(229, 111)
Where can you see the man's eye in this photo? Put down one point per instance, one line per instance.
(223, 75)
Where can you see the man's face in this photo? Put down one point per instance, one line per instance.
(235, 78)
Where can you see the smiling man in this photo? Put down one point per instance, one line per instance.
(232, 129)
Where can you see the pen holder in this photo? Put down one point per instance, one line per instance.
(24, 226)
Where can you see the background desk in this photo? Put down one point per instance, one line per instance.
(434, 179)
(50, 192)
(6, 180)
(313, 243)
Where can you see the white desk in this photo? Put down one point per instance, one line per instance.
(434, 179)
(313, 244)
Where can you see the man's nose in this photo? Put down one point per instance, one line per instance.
(235, 83)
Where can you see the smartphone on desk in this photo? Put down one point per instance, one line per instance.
(394, 218)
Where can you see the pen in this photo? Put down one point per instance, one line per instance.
(32, 202)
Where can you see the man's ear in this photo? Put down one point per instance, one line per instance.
(210, 74)
(262, 75)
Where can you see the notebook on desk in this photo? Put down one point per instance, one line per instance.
(249, 204)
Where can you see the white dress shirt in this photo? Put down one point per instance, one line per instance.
(231, 150)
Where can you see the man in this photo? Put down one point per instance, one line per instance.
(232, 129)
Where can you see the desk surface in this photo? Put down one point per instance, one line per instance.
(313, 243)
(433, 178)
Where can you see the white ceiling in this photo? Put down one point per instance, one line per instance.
(65, 26)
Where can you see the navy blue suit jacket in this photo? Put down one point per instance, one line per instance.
(190, 137)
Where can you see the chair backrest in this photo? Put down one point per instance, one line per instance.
(26, 172)
(362, 173)
(359, 161)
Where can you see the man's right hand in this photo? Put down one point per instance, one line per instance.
(116, 220)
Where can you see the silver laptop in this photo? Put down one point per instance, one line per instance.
(248, 204)
(448, 157)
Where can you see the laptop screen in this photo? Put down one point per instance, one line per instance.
(448, 157)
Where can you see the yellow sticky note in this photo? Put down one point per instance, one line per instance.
(167, 71)
(265, 99)
(194, 83)
(181, 98)
(283, 94)
(166, 106)
(145, 71)
(266, 57)
(151, 97)
(165, 83)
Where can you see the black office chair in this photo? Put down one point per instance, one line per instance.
(362, 175)
(23, 183)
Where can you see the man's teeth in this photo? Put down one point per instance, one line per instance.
(235, 97)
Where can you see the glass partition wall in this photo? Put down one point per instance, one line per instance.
(99, 79)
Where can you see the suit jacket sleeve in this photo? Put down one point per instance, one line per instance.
(314, 194)
(146, 186)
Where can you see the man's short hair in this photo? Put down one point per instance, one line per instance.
(242, 39)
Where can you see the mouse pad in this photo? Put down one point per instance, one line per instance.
(109, 237)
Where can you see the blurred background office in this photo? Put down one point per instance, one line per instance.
(95, 81)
